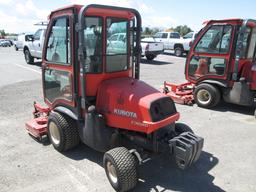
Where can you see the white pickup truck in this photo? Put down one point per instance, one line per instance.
(151, 48)
(173, 41)
(33, 47)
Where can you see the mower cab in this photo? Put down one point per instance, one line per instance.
(221, 64)
(92, 89)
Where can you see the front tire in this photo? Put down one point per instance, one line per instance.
(121, 169)
(178, 51)
(62, 132)
(206, 95)
(29, 59)
(181, 128)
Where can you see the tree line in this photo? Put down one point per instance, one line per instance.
(181, 29)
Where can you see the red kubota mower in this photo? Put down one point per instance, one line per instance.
(221, 64)
(92, 88)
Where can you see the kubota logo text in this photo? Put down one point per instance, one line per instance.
(125, 113)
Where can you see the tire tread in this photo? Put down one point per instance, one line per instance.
(126, 164)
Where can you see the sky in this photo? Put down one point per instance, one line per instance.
(18, 16)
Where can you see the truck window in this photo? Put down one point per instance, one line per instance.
(116, 58)
(158, 35)
(215, 40)
(93, 44)
(37, 34)
(175, 35)
(58, 46)
(164, 35)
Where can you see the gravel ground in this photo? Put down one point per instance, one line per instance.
(226, 164)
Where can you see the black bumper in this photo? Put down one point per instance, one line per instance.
(186, 149)
(154, 52)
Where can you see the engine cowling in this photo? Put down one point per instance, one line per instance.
(134, 105)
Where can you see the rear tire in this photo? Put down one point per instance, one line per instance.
(181, 128)
(178, 51)
(62, 132)
(16, 48)
(150, 57)
(206, 95)
(121, 169)
(29, 59)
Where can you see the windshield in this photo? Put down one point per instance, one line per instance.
(188, 36)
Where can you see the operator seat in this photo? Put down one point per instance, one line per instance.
(202, 68)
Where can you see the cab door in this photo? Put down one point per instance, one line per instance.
(57, 62)
(36, 43)
(210, 56)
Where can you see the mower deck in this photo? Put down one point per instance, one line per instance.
(37, 127)
(182, 94)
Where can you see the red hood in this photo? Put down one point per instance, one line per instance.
(126, 101)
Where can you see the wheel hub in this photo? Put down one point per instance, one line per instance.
(204, 96)
(54, 133)
(111, 172)
(178, 52)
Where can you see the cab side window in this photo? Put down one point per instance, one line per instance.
(117, 48)
(93, 44)
(215, 40)
(58, 44)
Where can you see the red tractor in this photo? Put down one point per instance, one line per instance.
(221, 64)
(92, 89)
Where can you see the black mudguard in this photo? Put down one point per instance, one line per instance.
(95, 133)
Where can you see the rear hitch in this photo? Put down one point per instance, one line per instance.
(186, 149)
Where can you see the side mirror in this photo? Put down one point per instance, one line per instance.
(30, 38)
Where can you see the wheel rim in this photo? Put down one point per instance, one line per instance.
(111, 171)
(177, 52)
(204, 96)
(54, 133)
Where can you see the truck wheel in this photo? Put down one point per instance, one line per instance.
(62, 131)
(178, 51)
(206, 95)
(150, 57)
(16, 48)
(181, 128)
(121, 169)
(29, 59)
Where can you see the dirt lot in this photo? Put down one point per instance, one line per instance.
(227, 163)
